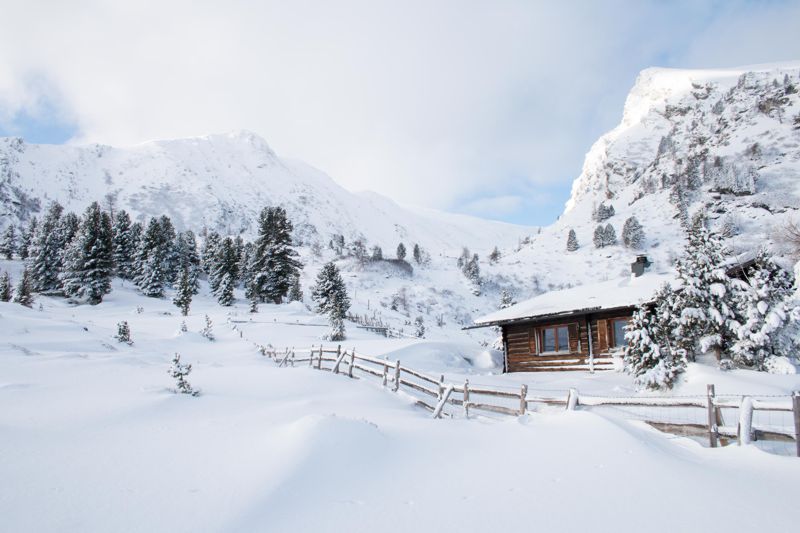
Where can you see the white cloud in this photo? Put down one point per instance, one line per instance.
(433, 103)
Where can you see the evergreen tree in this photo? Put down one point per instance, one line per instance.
(599, 238)
(224, 272)
(706, 303)
(46, 256)
(124, 333)
(494, 256)
(609, 235)
(572, 241)
(650, 355)
(8, 244)
(136, 235)
(225, 289)
(184, 291)
(472, 271)
(23, 293)
(5, 288)
(330, 291)
(417, 254)
(765, 310)
(89, 260)
(68, 228)
(377, 253)
(275, 261)
(189, 258)
(169, 249)
(506, 300)
(419, 327)
(207, 332)
(27, 238)
(209, 251)
(180, 372)
(359, 251)
(150, 260)
(633, 234)
(295, 291)
(401, 251)
(244, 264)
(603, 212)
(123, 245)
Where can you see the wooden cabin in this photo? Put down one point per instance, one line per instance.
(581, 328)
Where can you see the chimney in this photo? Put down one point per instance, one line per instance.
(638, 266)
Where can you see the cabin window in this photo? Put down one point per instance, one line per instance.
(555, 339)
(618, 330)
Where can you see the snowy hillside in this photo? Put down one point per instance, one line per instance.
(723, 141)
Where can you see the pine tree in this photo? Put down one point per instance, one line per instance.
(494, 256)
(184, 291)
(68, 228)
(244, 264)
(89, 260)
(417, 254)
(706, 304)
(401, 251)
(650, 355)
(189, 258)
(377, 253)
(330, 291)
(46, 256)
(124, 333)
(609, 235)
(765, 310)
(603, 212)
(23, 295)
(224, 272)
(275, 261)
(599, 238)
(8, 244)
(5, 287)
(27, 239)
(207, 332)
(633, 234)
(209, 251)
(506, 300)
(224, 292)
(419, 327)
(572, 241)
(180, 372)
(168, 237)
(472, 271)
(150, 260)
(123, 245)
(136, 234)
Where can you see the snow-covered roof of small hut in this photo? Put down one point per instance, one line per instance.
(612, 294)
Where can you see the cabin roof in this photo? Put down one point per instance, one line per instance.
(605, 296)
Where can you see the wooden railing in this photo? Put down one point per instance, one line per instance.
(436, 394)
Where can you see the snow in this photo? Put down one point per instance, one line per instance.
(610, 294)
(91, 438)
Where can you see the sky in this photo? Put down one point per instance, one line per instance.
(478, 107)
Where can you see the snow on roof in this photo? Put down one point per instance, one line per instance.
(610, 294)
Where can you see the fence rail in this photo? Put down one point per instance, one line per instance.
(703, 416)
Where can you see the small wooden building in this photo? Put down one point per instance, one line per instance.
(573, 329)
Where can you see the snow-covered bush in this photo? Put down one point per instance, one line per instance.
(8, 243)
(207, 330)
(22, 294)
(419, 327)
(5, 288)
(123, 333)
(180, 372)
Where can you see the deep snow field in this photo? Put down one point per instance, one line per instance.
(92, 439)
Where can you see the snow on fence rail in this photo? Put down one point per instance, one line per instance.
(751, 419)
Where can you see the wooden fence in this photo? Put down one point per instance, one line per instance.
(436, 394)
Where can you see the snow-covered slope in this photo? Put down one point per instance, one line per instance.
(222, 182)
(723, 141)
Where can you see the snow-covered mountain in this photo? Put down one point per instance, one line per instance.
(723, 141)
(222, 182)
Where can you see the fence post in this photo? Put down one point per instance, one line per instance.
(796, 409)
(441, 386)
(385, 374)
(397, 375)
(713, 431)
(311, 357)
(466, 398)
(292, 359)
(338, 359)
(572, 399)
(319, 359)
(352, 362)
(745, 421)
(523, 399)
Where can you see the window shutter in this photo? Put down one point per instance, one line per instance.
(602, 336)
(574, 339)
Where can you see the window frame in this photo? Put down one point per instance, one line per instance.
(555, 327)
(614, 345)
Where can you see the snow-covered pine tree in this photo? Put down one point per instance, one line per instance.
(136, 234)
(609, 235)
(23, 295)
(209, 251)
(168, 245)
(706, 304)
(330, 292)
(603, 212)
(766, 310)
(180, 372)
(296, 291)
(123, 245)
(506, 300)
(224, 293)
(88, 261)
(401, 252)
(359, 250)
(572, 241)
(27, 238)
(68, 228)
(649, 355)
(633, 234)
(494, 255)
(244, 264)
(599, 238)
(8, 243)
(124, 333)
(45, 259)
(207, 330)
(150, 255)
(189, 258)
(472, 271)
(419, 327)
(184, 291)
(275, 261)
(377, 253)
(417, 254)
(224, 272)
(5, 287)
